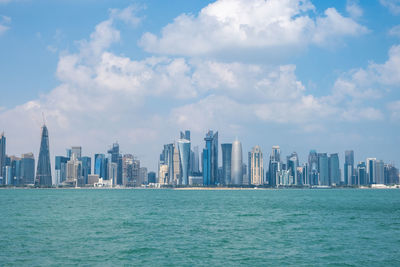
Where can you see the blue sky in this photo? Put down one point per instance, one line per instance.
(304, 75)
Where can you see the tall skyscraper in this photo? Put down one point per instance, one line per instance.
(28, 168)
(257, 166)
(2, 154)
(100, 166)
(184, 156)
(323, 169)
(274, 166)
(379, 172)
(43, 172)
(237, 163)
(334, 170)
(362, 173)
(313, 167)
(226, 163)
(210, 159)
(61, 169)
(185, 135)
(167, 158)
(86, 169)
(349, 167)
(371, 170)
(292, 164)
(74, 171)
(116, 158)
(77, 150)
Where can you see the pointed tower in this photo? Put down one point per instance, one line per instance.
(43, 173)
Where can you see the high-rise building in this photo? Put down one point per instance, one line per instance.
(236, 163)
(257, 166)
(43, 172)
(86, 169)
(292, 164)
(226, 163)
(151, 177)
(142, 176)
(323, 169)
(313, 167)
(100, 166)
(334, 169)
(167, 158)
(163, 174)
(349, 167)
(177, 166)
(77, 150)
(27, 168)
(391, 174)
(113, 173)
(61, 169)
(362, 173)
(116, 157)
(195, 168)
(371, 170)
(74, 171)
(379, 172)
(274, 166)
(185, 135)
(2, 154)
(184, 156)
(210, 159)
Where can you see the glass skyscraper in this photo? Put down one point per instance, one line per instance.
(226, 163)
(184, 156)
(2, 154)
(334, 170)
(349, 167)
(323, 169)
(28, 168)
(43, 172)
(237, 163)
(313, 167)
(210, 159)
(256, 166)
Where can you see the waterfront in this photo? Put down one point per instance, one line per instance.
(204, 227)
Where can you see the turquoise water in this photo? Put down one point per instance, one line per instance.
(171, 227)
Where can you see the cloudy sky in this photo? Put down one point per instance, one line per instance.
(301, 74)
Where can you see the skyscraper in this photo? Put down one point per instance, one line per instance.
(61, 169)
(116, 158)
(323, 169)
(292, 164)
(257, 166)
(184, 155)
(274, 166)
(28, 168)
(226, 163)
(43, 172)
(313, 167)
(100, 166)
(185, 135)
(167, 158)
(349, 167)
(77, 150)
(379, 172)
(86, 169)
(210, 159)
(362, 173)
(74, 171)
(237, 163)
(371, 170)
(2, 154)
(334, 170)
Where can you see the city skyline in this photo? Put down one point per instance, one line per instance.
(301, 74)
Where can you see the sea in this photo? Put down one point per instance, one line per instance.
(164, 227)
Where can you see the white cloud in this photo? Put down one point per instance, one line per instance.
(4, 22)
(127, 15)
(392, 5)
(250, 24)
(354, 9)
(395, 31)
(394, 108)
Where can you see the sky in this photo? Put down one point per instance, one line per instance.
(301, 74)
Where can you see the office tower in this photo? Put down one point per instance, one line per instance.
(371, 170)
(177, 167)
(313, 167)
(349, 167)
(61, 169)
(379, 172)
(256, 166)
(43, 172)
(274, 166)
(116, 158)
(142, 176)
(195, 160)
(163, 174)
(391, 174)
(77, 150)
(100, 166)
(334, 169)
(130, 170)
(167, 158)
(185, 135)
(184, 156)
(362, 173)
(323, 169)
(113, 172)
(28, 168)
(292, 164)
(16, 170)
(7, 178)
(226, 163)
(86, 169)
(151, 178)
(210, 159)
(2, 154)
(74, 171)
(236, 163)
